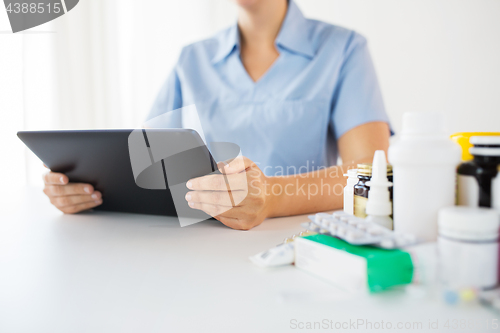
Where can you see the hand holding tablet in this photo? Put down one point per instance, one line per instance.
(68, 197)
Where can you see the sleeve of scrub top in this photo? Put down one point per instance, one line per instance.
(169, 98)
(357, 97)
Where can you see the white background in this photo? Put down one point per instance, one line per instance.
(101, 65)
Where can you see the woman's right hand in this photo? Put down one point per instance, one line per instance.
(70, 198)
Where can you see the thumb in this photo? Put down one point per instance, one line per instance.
(236, 165)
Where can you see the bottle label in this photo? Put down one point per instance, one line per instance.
(360, 206)
(467, 191)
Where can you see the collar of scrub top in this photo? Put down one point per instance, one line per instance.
(293, 36)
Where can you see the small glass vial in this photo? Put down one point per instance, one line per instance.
(474, 178)
(361, 189)
(468, 247)
(352, 179)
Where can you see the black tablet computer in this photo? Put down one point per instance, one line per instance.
(129, 167)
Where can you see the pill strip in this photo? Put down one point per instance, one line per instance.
(357, 231)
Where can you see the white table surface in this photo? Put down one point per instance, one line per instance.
(110, 272)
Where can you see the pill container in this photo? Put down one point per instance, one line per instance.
(468, 247)
(424, 162)
(349, 191)
(474, 178)
(361, 189)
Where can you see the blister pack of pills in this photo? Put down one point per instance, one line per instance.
(357, 231)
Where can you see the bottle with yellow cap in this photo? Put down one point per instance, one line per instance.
(463, 139)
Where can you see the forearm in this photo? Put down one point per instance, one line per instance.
(315, 191)
(323, 190)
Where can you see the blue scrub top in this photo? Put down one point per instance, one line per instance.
(322, 85)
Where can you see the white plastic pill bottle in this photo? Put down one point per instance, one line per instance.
(424, 162)
(468, 247)
(352, 179)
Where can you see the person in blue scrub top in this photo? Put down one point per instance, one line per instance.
(294, 93)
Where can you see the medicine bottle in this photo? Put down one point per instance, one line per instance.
(468, 246)
(474, 178)
(361, 189)
(424, 162)
(349, 191)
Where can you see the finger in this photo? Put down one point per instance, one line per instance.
(207, 183)
(218, 183)
(217, 197)
(70, 189)
(220, 198)
(215, 210)
(71, 200)
(55, 178)
(235, 165)
(80, 207)
(234, 218)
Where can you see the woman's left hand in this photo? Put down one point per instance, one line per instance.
(237, 197)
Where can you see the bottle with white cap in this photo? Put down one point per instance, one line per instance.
(379, 206)
(424, 163)
(474, 178)
(352, 179)
(468, 247)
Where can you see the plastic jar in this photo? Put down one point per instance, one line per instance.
(474, 178)
(361, 189)
(468, 247)
(349, 191)
(424, 163)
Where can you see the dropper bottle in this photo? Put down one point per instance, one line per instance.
(378, 207)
